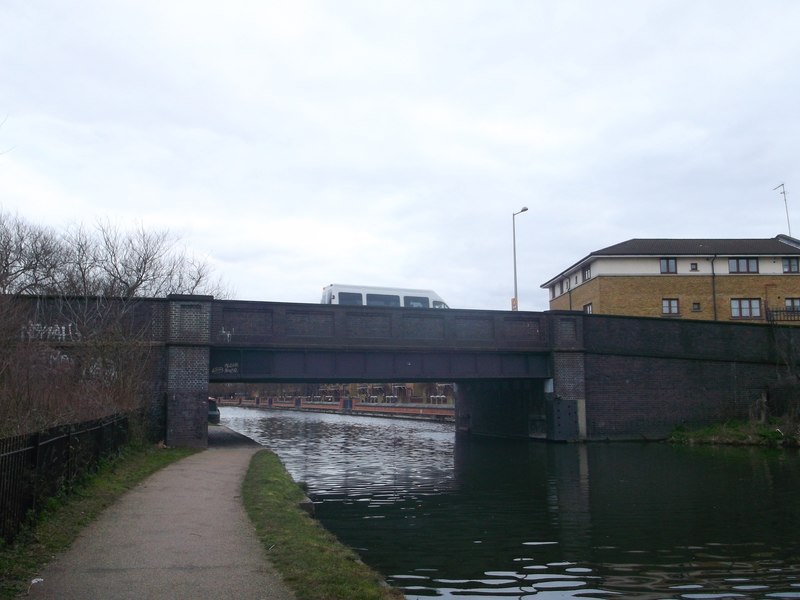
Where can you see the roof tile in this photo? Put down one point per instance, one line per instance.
(701, 247)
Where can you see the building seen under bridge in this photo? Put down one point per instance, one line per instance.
(753, 280)
(372, 393)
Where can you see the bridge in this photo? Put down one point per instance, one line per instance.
(556, 375)
(268, 342)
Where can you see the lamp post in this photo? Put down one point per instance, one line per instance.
(514, 304)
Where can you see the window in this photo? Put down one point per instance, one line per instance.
(587, 273)
(693, 266)
(791, 264)
(383, 300)
(566, 284)
(792, 304)
(669, 265)
(587, 308)
(552, 292)
(745, 308)
(350, 298)
(416, 302)
(743, 265)
(669, 306)
(695, 307)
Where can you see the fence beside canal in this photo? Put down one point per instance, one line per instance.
(38, 466)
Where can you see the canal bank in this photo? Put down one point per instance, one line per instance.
(451, 517)
(776, 433)
(309, 558)
(184, 529)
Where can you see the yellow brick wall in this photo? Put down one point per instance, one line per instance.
(641, 296)
(579, 296)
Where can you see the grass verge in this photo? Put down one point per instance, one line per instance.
(776, 433)
(66, 516)
(309, 558)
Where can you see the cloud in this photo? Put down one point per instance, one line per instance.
(304, 143)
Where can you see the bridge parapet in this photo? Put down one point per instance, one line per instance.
(264, 341)
(268, 324)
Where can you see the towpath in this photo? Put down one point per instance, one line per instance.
(182, 533)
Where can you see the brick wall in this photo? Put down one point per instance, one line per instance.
(613, 377)
(189, 324)
(641, 295)
(630, 397)
(187, 396)
(645, 377)
(579, 296)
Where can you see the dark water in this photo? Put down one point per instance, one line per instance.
(473, 519)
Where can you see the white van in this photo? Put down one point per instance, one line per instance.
(358, 295)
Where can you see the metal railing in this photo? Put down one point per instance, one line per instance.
(783, 315)
(38, 466)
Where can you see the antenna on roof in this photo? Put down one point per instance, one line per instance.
(786, 204)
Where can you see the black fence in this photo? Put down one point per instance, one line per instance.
(783, 315)
(39, 466)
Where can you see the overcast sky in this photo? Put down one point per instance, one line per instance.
(300, 143)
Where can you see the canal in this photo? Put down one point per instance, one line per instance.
(482, 518)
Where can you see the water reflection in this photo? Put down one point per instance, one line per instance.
(499, 518)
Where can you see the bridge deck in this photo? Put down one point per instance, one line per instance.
(260, 341)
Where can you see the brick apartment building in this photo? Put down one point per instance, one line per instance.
(709, 279)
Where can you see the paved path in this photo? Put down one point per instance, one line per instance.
(182, 533)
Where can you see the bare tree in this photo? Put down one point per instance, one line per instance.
(80, 275)
(103, 261)
(150, 263)
(29, 256)
(84, 286)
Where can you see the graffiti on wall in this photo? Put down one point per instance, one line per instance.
(50, 333)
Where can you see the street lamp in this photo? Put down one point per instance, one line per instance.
(514, 238)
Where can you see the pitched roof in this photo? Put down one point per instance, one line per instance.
(780, 245)
(702, 247)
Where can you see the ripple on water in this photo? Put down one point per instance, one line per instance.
(495, 519)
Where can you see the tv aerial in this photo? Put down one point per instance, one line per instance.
(786, 204)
